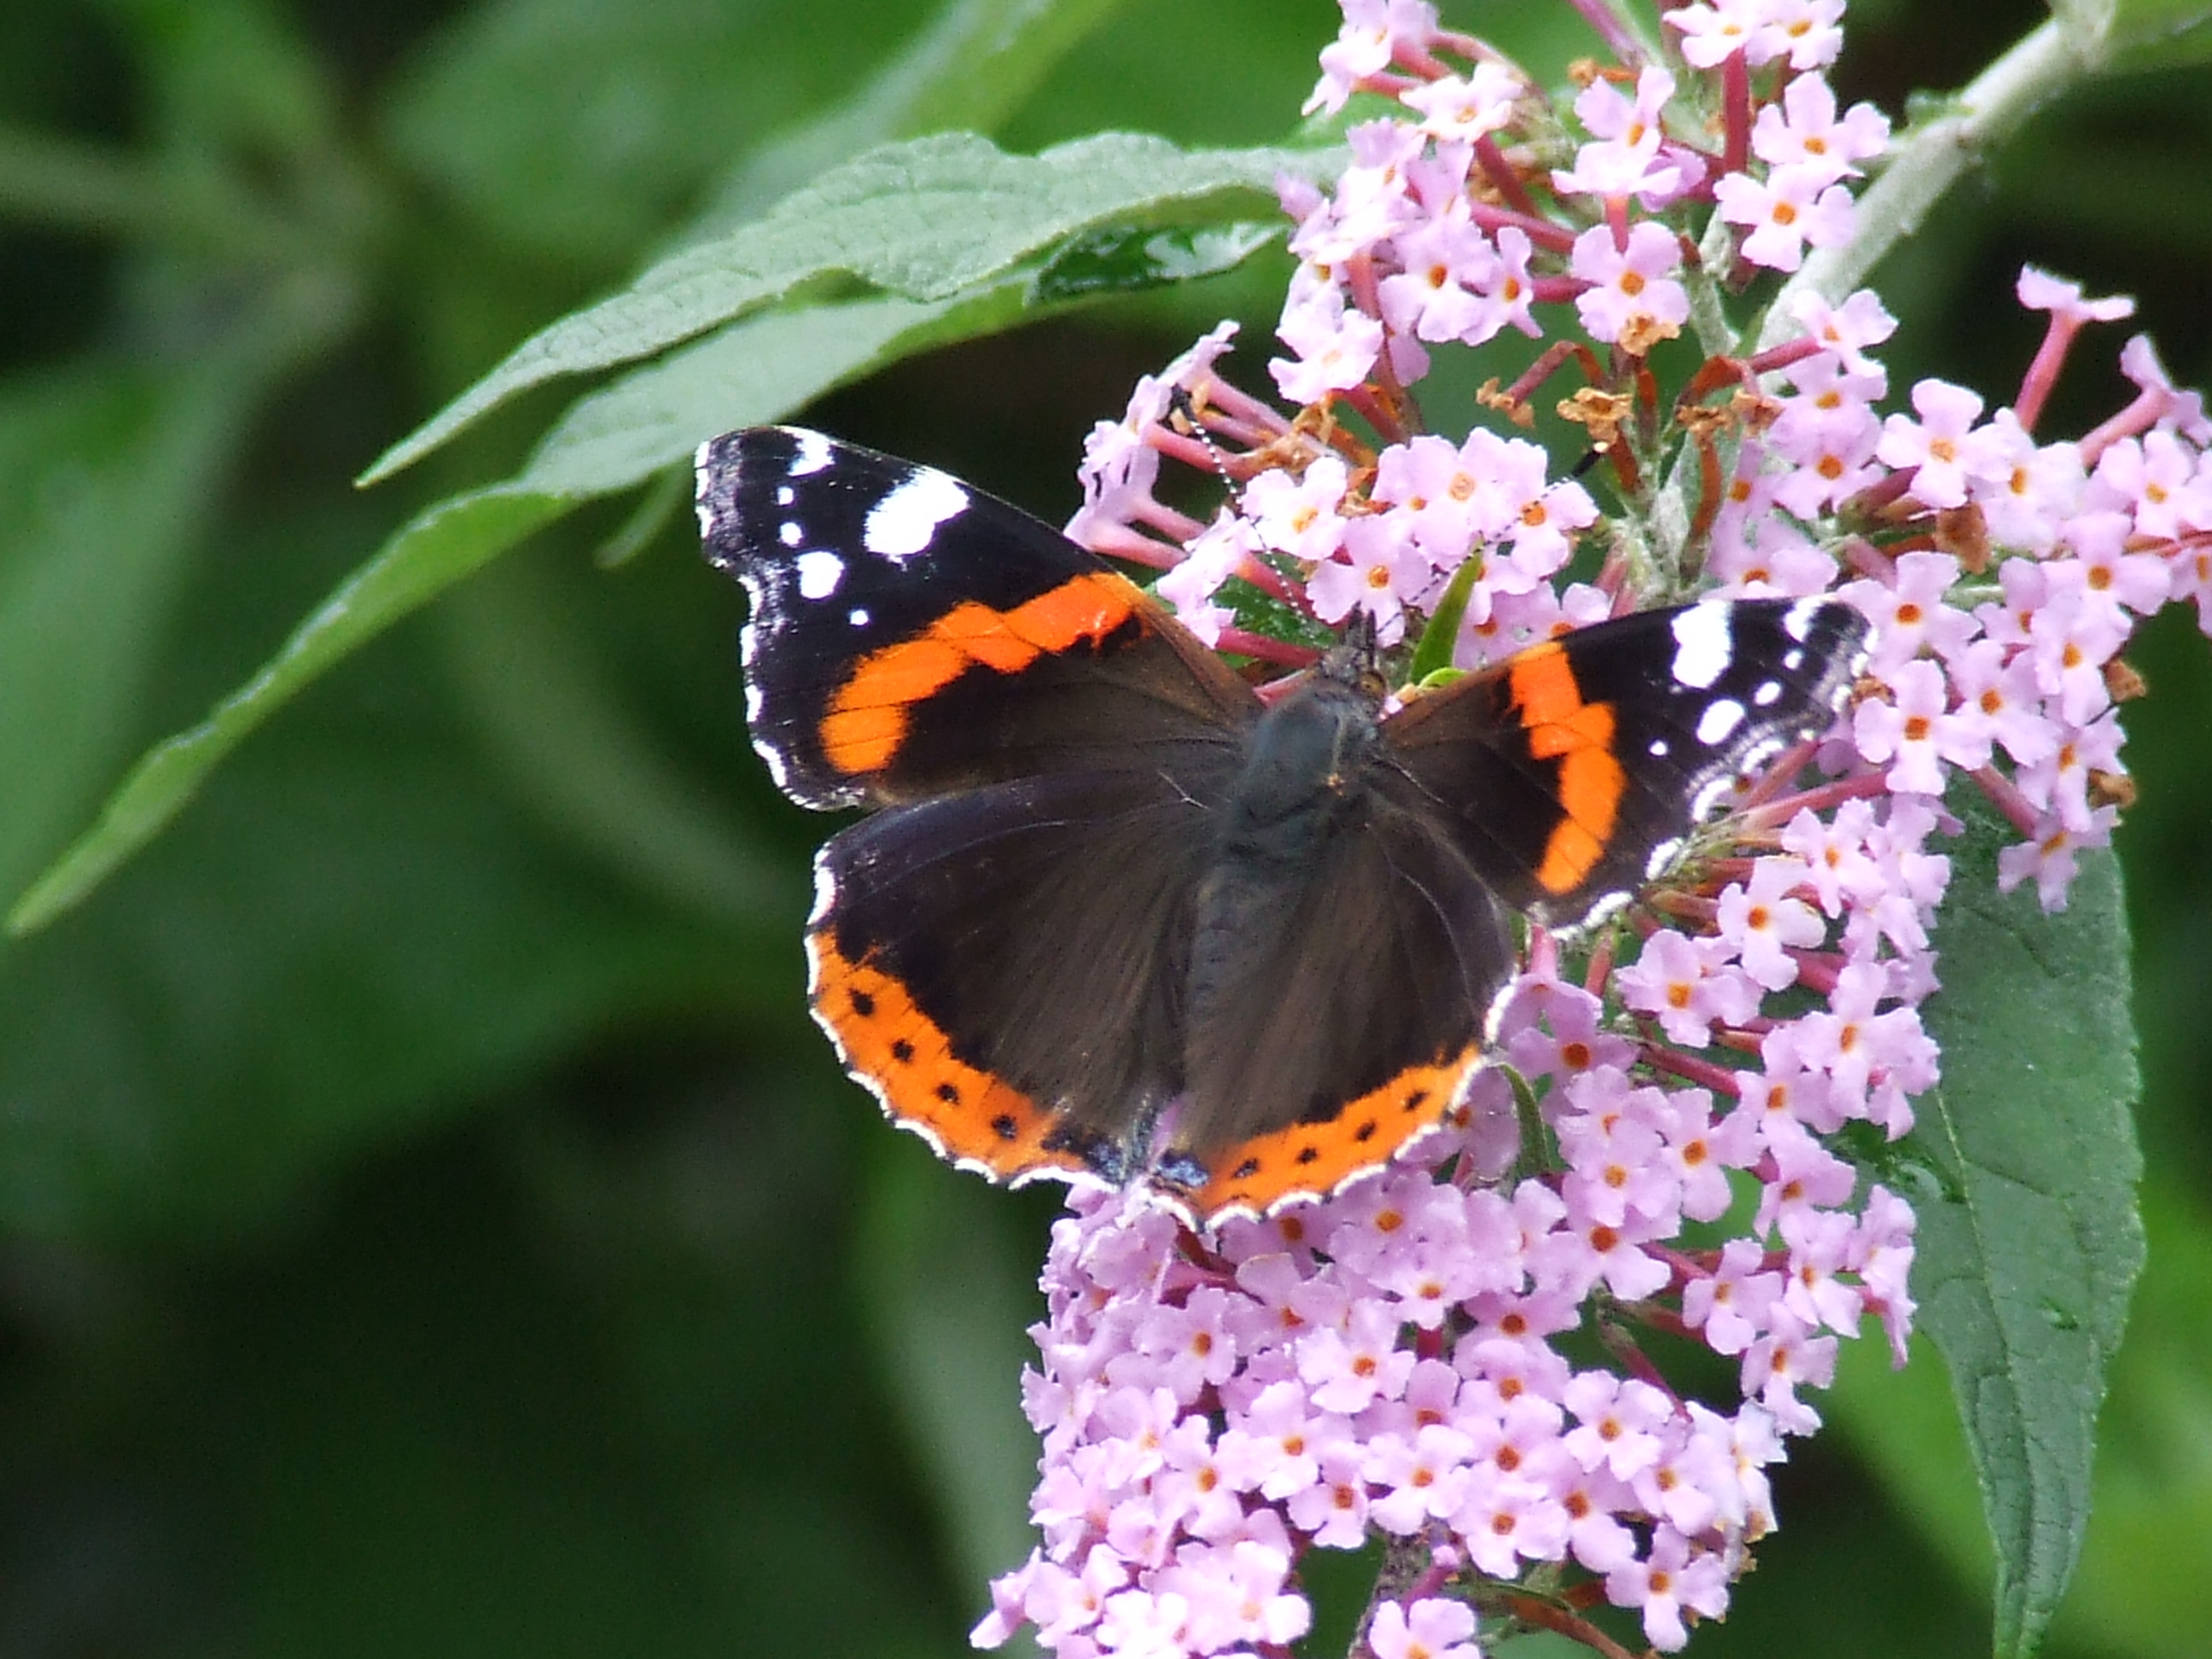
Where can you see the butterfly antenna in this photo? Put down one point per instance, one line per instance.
(1183, 408)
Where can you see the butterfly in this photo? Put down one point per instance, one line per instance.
(1114, 917)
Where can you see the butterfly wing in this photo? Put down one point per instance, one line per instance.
(1570, 772)
(1005, 968)
(1335, 1014)
(910, 636)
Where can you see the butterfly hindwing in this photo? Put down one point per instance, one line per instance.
(1570, 772)
(1004, 967)
(1336, 1011)
(911, 636)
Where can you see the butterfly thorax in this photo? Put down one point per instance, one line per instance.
(1304, 777)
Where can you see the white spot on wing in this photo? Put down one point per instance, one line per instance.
(811, 454)
(1793, 660)
(1701, 647)
(819, 572)
(1720, 717)
(1768, 692)
(858, 616)
(1798, 619)
(789, 534)
(905, 521)
(1659, 748)
(784, 495)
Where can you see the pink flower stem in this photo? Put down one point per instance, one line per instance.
(2043, 372)
(1240, 462)
(1622, 1346)
(2137, 416)
(1687, 1265)
(1619, 39)
(2005, 796)
(1191, 451)
(1499, 171)
(1875, 497)
(1783, 356)
(1545, 1616)
(1258, 646)
(1720, 872)
(1158, 516)
(1817, 970)
(1269, 580)
(1863, 556)
(1120, 542)
(1437, 1575)
(1735, 102)
(1723, 1080)
(1776, 813)
(1693, 907)
(1241, 404)
(1371, 407)
(1554, 238)
(1601, 965)
(1780, 774)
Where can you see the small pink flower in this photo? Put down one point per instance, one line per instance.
(1765, 924)
(1379, 572)
(1667, 1581)
(1935, 445)
(1633, 297)
(1794, 207)
(1803, 130)
(1432, 1628)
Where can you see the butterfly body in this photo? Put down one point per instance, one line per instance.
(1115, 919)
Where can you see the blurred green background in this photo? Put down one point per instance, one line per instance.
(428, 1223)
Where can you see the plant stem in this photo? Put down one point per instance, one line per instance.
(1931, 157)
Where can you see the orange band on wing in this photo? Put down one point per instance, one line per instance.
(867, 716)
(1311, 1160)
(899, 1051)
(1579, 735)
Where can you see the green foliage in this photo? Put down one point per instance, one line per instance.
(2029, 1240)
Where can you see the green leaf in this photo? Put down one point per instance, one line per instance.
(1125, 261)
(437, 549)
(922, 221)
(1440, 639)
(755, 370)
(2030, 1239)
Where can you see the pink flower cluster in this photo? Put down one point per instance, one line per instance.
(1650, 1150)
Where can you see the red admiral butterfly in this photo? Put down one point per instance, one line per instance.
(1112, 917)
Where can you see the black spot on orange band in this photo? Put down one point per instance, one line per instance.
(1314, 1158)
(1579, 735)
(899, 1051)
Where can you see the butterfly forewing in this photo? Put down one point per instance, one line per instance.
(910, 636)
(1570, 772)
